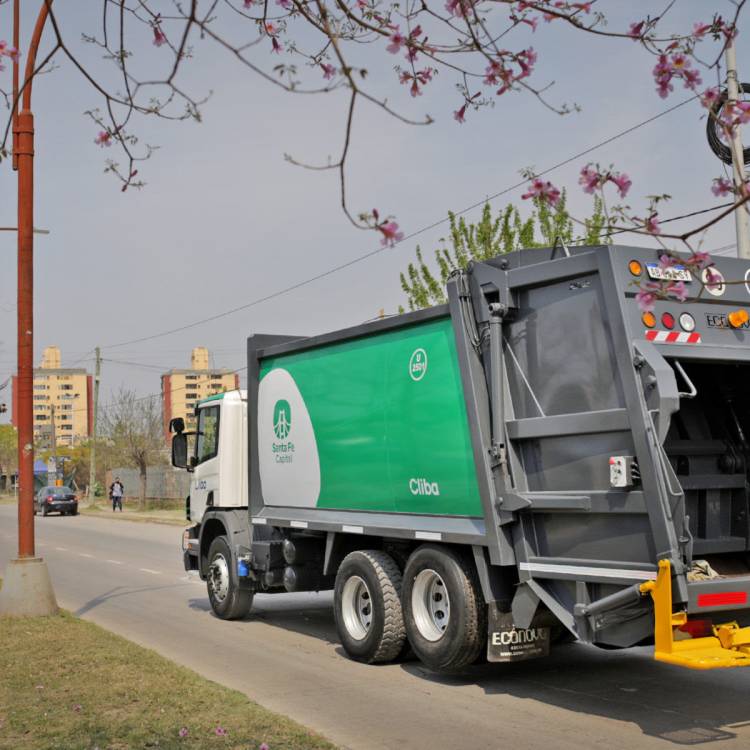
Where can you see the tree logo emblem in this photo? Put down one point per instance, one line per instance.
(282, 419)
(418, 364)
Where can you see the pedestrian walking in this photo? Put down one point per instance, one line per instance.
(116, 491)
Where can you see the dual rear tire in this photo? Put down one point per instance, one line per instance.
(435, 605)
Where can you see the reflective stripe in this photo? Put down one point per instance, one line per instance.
(260, 521)
(673, 337)
(298, 524)
(579, 570)
(434, 536)
(353, 529)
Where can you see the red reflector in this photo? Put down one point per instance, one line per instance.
(667, 320)
(723, 599)
(697, 628)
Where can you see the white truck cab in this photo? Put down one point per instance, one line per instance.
(219, 460)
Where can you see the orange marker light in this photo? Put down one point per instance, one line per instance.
(737, 318)
(635, 268)
(649, 319)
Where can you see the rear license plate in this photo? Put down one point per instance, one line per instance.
(673, 273)
(508, 643)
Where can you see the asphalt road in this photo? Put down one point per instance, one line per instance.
(128, 577)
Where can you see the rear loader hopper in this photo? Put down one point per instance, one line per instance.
(582, 468)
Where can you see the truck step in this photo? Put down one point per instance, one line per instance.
(729, 646)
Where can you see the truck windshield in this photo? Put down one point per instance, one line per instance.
(207, 444)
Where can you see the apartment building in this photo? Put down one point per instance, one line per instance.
(63, 408)
(182, 389)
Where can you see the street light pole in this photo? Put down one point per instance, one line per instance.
(27, 589)
(738, 156)
(92, 464)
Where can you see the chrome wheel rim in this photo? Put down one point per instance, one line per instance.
(430, 605)
(218, 578)
(356, 608)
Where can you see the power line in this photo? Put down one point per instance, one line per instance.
(412, 235)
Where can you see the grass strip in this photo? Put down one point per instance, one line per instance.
(169, 517)
(67, 684)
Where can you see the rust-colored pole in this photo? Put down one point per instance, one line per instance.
(24, 159)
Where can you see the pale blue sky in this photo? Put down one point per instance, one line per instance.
(224, 219)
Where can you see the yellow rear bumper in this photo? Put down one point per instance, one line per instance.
(728, 647)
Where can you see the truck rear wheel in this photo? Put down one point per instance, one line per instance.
(367, 607)
(444, 613)
(228, 600)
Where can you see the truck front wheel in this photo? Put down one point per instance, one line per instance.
(444, 613)
(228, 600)
(367, 607)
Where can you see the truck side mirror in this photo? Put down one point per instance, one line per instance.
(177, 425)
(180, 451)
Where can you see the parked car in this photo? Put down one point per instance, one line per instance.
(62, 500)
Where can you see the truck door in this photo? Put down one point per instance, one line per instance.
(205, 490)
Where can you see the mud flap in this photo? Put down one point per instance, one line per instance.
(507, 643)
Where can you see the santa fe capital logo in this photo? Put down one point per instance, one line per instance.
(282, 419)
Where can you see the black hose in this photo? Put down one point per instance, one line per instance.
(714, 130)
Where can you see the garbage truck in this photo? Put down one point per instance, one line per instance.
(536, 461)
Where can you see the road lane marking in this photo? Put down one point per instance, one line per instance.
(114, 562)
(84, 554)
(153, 572)
(61, 549)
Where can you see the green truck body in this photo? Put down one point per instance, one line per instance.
(388, 422)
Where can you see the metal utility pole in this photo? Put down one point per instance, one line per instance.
(738, 160)
(54, 442)
(92, 456)
(27, 589)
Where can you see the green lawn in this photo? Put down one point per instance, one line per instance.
(66, 683)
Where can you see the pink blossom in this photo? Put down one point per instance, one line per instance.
(398, 40)
(742, 113)
(721, 186)
(709, 97)
(285, 4)
(692, 79)
(544, 190)
(7, 51)
(390, 232)
(667, 261)
(636, 29)
(647, 296)
(78, 708)
(460, 114)
(264, 746)
(622, 181)
(589, 178)
(677, 289)
(680, 62)
(459, 8)
(103, 139)
(700, 29)
(585, 7)
(183, 732)
(652, 224)
(159, 37)
(276, 45)
(699, 259)
(221, 732)
(328, 71)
